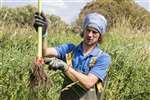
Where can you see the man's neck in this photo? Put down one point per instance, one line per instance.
(87, 48)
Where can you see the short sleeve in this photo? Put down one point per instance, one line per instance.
(102, 64)
(62, 50)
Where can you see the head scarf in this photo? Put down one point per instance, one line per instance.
(96, 21)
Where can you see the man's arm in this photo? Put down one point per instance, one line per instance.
(48, 52)
(98, 71)
(87, 81)
(41, 20)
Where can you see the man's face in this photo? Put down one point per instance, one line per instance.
(91, 36)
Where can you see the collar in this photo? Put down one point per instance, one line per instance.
(94, 52)
(79, 48)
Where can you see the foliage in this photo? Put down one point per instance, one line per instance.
(129, 77)
(114, 10)
(18, 16)
(129, 73)
(24, 16)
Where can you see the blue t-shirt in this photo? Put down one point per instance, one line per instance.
(96, 62)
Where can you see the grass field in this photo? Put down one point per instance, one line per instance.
(129, 75)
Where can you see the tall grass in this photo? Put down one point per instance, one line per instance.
(18, 49)
(129, 77)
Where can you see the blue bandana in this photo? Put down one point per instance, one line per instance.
(96, 21)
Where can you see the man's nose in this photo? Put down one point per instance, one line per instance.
(90, 33)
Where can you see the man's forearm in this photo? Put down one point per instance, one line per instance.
(87, 81)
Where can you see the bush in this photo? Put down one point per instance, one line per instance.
(114, 10)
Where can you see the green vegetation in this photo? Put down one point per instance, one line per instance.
(114, 10)
(129, 77)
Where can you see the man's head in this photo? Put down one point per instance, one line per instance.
(96, 23)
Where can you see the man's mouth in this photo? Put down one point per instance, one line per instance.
(89, 39)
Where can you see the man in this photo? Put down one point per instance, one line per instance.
(85, 64)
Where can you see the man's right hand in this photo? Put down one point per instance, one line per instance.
(41, 20)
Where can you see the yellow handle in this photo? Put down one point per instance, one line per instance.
(39, 31)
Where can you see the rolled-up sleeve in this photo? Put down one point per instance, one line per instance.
(62, 50)
(102, 64)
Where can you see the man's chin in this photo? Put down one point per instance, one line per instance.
(89, 43)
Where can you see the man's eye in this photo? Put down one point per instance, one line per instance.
(88, 30)
(94, 32)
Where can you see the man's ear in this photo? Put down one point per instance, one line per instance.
(100, 39)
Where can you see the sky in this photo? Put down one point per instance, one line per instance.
(68, 10)
(144, 3)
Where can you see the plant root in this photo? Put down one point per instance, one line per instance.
(38, 77)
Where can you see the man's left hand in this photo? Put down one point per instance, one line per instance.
(56, 64)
